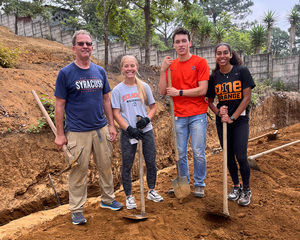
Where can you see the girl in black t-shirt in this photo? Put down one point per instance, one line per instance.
(232, 82)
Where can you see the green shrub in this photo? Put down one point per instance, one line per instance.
(42, 123)
(8, 57)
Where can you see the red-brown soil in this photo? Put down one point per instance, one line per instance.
(28, 207)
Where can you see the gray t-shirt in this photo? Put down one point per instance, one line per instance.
(126, 98)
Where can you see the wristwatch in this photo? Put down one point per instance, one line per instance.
(232, 118)
(180, 93)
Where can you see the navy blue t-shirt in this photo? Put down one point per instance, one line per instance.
(83, 91)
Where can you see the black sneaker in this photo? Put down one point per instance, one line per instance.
(235, 194)
(245, 198)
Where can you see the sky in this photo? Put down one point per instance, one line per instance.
(281, 7)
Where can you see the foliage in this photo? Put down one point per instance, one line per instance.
(9, 57)
(269, 19)
(258, 38)
(294, 19)
(240, 8)
(19, 8)
(261, 88)
(239, 41)
(206, 31)
(218, 34)
(280, 43)
(82, 15)
(42, 123)
(160, 44)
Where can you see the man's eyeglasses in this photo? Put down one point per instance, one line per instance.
(81, 44)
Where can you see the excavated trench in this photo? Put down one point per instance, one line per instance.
(27, 159)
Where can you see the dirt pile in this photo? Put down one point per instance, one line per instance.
(28, 158)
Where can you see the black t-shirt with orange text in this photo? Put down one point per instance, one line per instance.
(229, 87)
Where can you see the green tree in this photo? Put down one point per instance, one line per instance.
(191, 19)
(240, 8)
(193, 24)
(280, 42)
(166, 22)
(83, 15)
(294, 19)
(239, 41)
(24, 9)
(269, 19)
(258, 38)
(218, 33)
(206, 31)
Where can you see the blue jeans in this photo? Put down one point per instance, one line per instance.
(196, 127)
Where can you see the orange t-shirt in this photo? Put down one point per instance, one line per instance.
(186, 75)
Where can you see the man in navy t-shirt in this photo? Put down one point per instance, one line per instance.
(82, 96)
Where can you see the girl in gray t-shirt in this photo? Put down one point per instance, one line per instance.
(129, 100)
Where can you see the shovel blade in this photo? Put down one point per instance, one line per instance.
(219, 214)
(137, 217)
(181, 187)
(253, 164)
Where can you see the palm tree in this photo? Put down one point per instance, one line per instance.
(193, 24)
(258, 38)
(219, 33)
(269, 19)
(206, 30)
(294, 19)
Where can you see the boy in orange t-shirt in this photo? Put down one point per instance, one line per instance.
(190, 75)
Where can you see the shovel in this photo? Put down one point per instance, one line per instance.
(180, 183)
(71, 160)
(141, 216)
(251, 159)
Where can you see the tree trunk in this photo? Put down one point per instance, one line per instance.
(148, 31)
(269, 40)
(292, 38)
(105, 36)
(16, 24)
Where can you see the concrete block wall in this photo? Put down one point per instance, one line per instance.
(287, 70)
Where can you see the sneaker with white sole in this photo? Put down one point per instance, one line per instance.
(235, 193)
(113, 205)
(78, 218)
(154, 196)
(199, 192)
(130, 203)
(245, 198)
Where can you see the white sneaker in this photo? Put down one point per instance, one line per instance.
(154, 196)
(130, 203)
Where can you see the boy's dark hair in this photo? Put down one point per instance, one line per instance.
(182, 31)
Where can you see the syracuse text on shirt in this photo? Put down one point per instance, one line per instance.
(130, 95)
(88, 84)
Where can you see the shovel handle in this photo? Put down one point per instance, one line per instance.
(225, 200)
(272, 150)
(143, 208)
(49, 121)
(173, 123)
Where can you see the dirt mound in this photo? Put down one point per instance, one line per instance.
(28, 158)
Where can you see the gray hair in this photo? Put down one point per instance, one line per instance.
(77, 33)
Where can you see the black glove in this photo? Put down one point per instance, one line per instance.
(134, 133)
(143, 122)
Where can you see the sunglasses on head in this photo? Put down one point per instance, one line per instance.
(88, 44)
